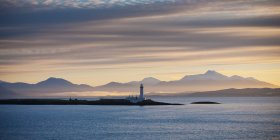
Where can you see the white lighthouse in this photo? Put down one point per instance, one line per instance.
(136, 99)
(141, 97)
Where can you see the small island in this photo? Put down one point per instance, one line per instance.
(140, 101)
(205, 102)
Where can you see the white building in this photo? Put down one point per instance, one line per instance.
(137, 99)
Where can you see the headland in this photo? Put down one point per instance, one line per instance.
(147, 102)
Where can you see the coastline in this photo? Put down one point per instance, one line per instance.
(147, 102)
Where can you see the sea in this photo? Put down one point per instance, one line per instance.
(256, 118)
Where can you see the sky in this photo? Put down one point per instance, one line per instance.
(98, 41)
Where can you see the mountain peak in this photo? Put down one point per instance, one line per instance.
(214, 74)
(55, 81)
(150, 80)
(113, 84)
(54, 78)
(211, 72)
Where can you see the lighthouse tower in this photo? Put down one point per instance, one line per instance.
(141, 97)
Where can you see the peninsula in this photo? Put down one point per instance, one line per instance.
(81, 102)
(140, 100)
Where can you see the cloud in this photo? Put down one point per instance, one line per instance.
(59, 35)
(57, 12)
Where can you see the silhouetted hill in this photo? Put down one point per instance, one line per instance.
(51, 85)
(6, 93)
(149, 82)
(53, 82)
(209, 75)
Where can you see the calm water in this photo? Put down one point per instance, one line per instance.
(236, 118)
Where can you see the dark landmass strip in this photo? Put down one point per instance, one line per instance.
(246, 92)
(81, 102)
(205, 102)
(232, 92)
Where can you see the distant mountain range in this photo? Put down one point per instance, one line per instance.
(211, 80)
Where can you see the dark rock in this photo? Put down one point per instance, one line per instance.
(205, 102)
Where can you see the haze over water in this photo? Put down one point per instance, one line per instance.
(237, 118)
